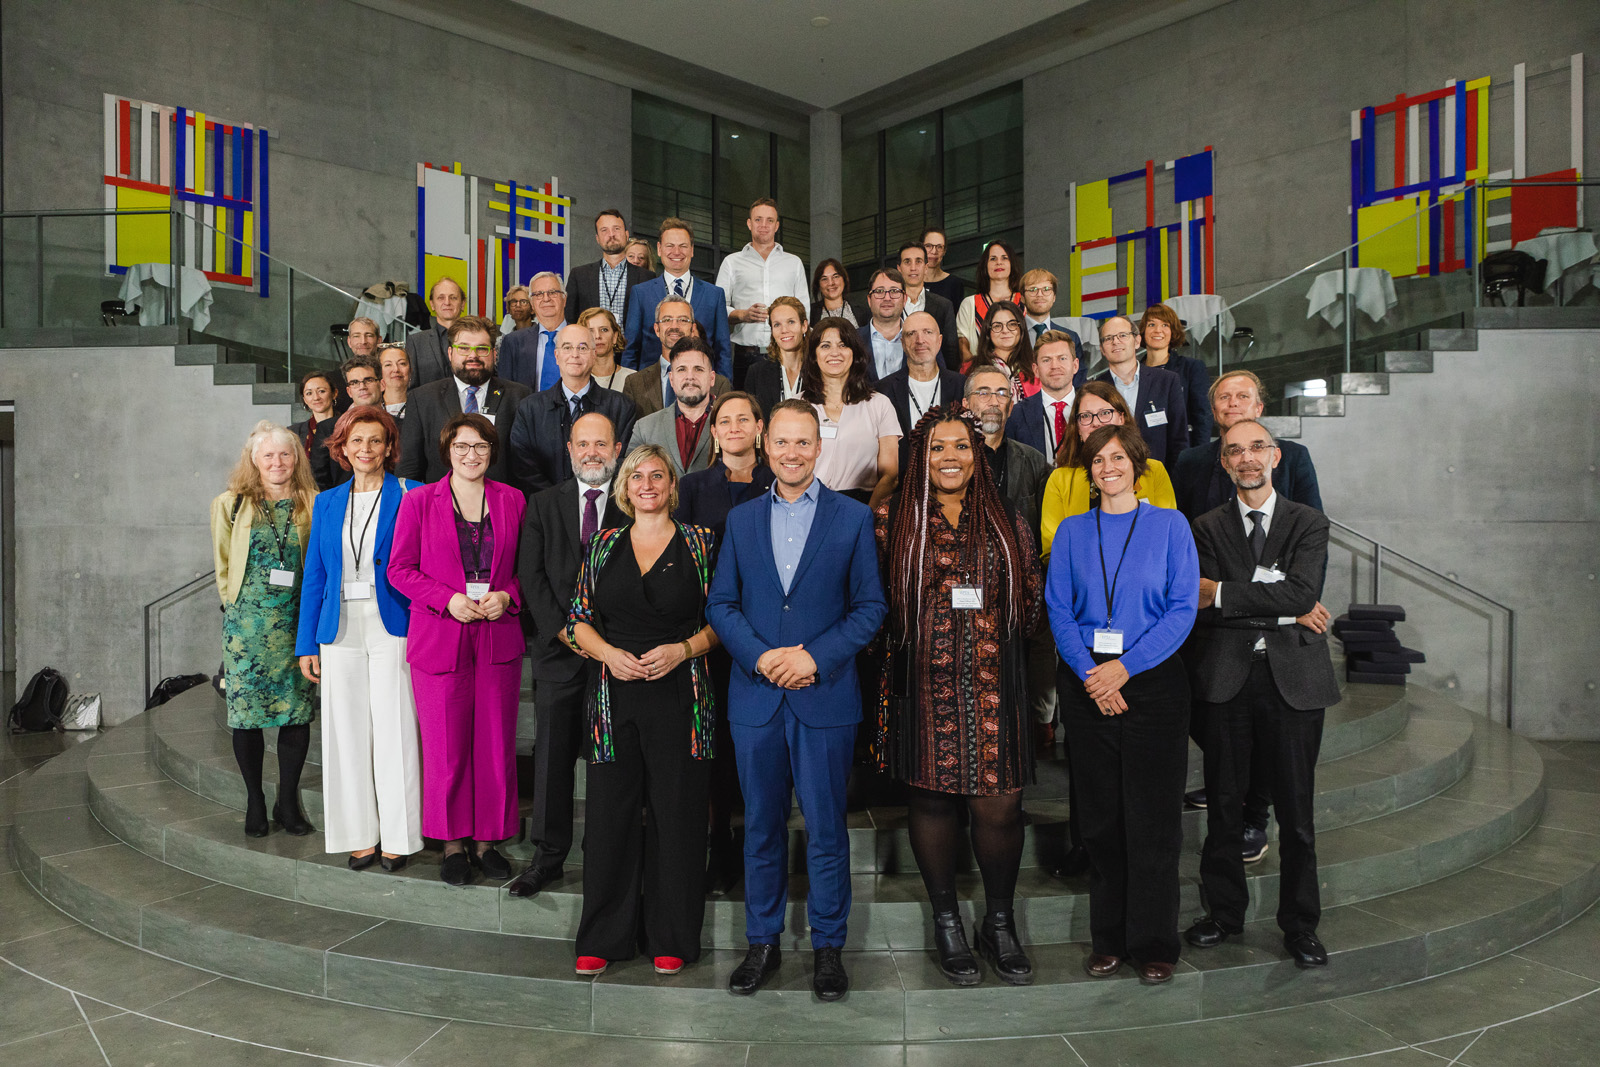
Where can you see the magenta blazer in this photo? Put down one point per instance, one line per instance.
(425, 566)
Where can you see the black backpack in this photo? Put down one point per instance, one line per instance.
(168, 688)
(42, 702)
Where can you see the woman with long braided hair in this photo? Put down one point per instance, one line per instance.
(962, 578)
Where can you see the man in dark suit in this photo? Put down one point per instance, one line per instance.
(651, 389)
(795, 597)
(913, 260)
(1042, 420)
(676, 249)
(1039, 300)
(472, 386)
(1198, 478)
(1154, 395)
(921, 384)
(555, 533)
(1265, 682)
(428, 349)
(607, 281)
(543, 425)
(529, 355)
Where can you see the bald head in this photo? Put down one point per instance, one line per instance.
(920, 337)
(574, 355)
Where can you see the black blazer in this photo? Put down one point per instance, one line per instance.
(426, 351)
(951, 288)
(1201, 484)
(1026, 472)
(705, 497)
(944, 313)
(548, 557)
(542, 426)
(323, 468)
(429, 407)
(1160, 391)
(764, 381)
(1027, 424)
(1196, 380)
(1218, 652)
(583, 289)
(897, 387)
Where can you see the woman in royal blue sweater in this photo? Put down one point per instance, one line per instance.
(1123, 588)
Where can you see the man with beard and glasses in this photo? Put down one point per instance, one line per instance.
(681, 427)
(471, 387)
(606, 282)
(555, 534)
(543, 425)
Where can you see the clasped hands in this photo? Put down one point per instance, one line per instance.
(656, 663)
(493, 605)
(790, 667)
(1104, 686)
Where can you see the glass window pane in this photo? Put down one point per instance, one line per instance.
(794, 198)
(982, 175)
(859, 205)
(911, 180)
(672, 170)
(744, 175)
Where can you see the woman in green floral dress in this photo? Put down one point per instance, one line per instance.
(259, 528)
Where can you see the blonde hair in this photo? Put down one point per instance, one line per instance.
(619, 484)
(245, 481)
(652, 264)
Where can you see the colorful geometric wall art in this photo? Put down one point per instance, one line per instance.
(1414, 159)
(466, 230)
(215, 169)
(1176, 253)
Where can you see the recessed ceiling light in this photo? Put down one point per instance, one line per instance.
(734, 136)
(820, 21)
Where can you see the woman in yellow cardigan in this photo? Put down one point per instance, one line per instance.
(259, 529)
(1067, 493)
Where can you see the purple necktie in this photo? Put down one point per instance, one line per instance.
(591, 515)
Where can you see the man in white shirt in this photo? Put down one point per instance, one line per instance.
(529, 356)
(886, 296)
(921, 384)
(753, 278)
(913, 269)
(1044, 419)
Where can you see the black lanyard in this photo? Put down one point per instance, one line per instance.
(913, 394)
(358, 547)
(1111, 586)
(609, 298)
(281, 541)
(477, 535)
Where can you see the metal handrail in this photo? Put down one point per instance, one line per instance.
(1380, 551)
(153, 608)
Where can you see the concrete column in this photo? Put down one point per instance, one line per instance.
(827, 187)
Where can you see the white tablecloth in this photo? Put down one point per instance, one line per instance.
(1560, 250)
(1087, 329)
(195, 293)
(1199, 314)
(1371, 290)
(384, 313)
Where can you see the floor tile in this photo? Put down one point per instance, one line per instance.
(96, 966)
(1575, 947)
(1565, 1035)
(23, 913)
(1305, 1034)
(72, 1047)
(1565, 809)
(129, 1039)
(820, 1055)
(105, 888)
(1555, 856)
(475, 1045)
(1013, 1052)
(31, 1007)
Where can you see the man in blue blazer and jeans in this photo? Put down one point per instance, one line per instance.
(795, 597)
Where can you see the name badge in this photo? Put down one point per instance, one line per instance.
(1153, 419)
(279, 576)
(1108, 642)
(358, 590)
(830, 432)
(1268, 575)
(967, 597)
(477, 590)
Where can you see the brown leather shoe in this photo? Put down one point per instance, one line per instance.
(1102, 966)
(1155, 973)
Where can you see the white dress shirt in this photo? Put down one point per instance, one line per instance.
(1267, 509)
(673, 279)
(914, 306)
(482, 394)
(924, 397)
(1050, 403)
(748, 278)
(599, 503)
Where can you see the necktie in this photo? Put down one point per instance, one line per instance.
(576, 406)
(1061, 422)
(591, 515)
(471, 407)
(667, 395)
(1258, 535)
(677, 287)
(1039, 328)
(548, 373)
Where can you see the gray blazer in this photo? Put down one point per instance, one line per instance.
(644, 389)
(426, 351)
(1218, 652)
(661, 429)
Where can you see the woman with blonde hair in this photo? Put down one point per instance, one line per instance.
(778, 376)
(640, 254)
(608, 371)
(259, 528)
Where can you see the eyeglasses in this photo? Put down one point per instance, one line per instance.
(1260, 448)
(1039, 290)
(1123, 336)
(932, 246)
(360, 381)
(1089, 418)
(462, 448)
(992, 394)
(481, 351)
(881, 293)
(1005, 326)
(518, 303)
(547, 294)
(676, 320)
(570, 347)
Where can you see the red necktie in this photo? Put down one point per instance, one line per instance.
(1061, 422)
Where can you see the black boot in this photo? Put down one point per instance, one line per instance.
(998, 943)
(248, 748)
(955, 957)
(294, 743)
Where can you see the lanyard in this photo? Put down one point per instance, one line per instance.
(282, 541)
(1111, 586)
(477, 529)
(358, 547)
(920, 409)
(609, 297)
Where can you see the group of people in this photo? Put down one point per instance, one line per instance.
(794, 536)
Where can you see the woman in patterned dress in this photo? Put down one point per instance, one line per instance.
(259, 528)
(962, 577)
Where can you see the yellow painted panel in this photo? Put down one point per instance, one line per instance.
(1094, 211)
(1133, 256)
(143, 238)
(526, 212)
(533, 194)
(199, 150)
(247, 249)
(1389, 237)
(1075, 283)
(436, 267)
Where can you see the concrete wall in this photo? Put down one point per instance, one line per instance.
(118, 454)
(1271, 86)
(1484, 470)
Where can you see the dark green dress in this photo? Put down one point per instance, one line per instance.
(265, 686)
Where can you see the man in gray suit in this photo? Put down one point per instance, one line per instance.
(472, 386)
(428, 350)
(683, 426)
(1264, 682)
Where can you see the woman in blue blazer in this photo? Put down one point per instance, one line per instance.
(352, 640)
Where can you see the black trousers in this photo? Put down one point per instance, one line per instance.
(745, 357)
(644, 880)
(1257, 734)
(558, 719)
(1129, 771)
(1257, 796)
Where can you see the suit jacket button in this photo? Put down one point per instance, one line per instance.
(786, 607)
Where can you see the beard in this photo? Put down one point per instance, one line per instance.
(690, 399)
(592, 476)
(1253, 480)
(613, 247)
(474, 375)
(991, 421)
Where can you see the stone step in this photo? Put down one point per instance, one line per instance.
(1282, 426)
(236, 374)
(1329, 406)
(1406, 362)
(1361, 383)
(1454, 339)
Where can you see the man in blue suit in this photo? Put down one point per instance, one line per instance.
(675, 246)
(1045, 418)
(795, 597)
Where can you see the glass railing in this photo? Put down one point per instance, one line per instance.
(182, 631)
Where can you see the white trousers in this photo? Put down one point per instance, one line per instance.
(371, 771)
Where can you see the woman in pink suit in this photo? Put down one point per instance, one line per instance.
(454, 557)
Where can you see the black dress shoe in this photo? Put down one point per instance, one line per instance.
(760, 960)
(828, 978)
(361, 863)
(291, 819)
(1195, 799)
(530, 881)
(1074, 863)
(492, 864)
(1207, 933)
(456, 869)
(255, 818)
(956, 961)
(999, 945)
(1255, 843)
(1306, 950)
(393, 863)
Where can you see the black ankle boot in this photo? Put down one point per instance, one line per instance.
(287, 812)
(998, 943)
(955, 957)
(255, 816)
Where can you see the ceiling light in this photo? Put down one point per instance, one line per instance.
(734, 136)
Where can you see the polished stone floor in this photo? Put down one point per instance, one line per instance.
(72, 997)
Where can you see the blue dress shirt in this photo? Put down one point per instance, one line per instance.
(791, 525)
